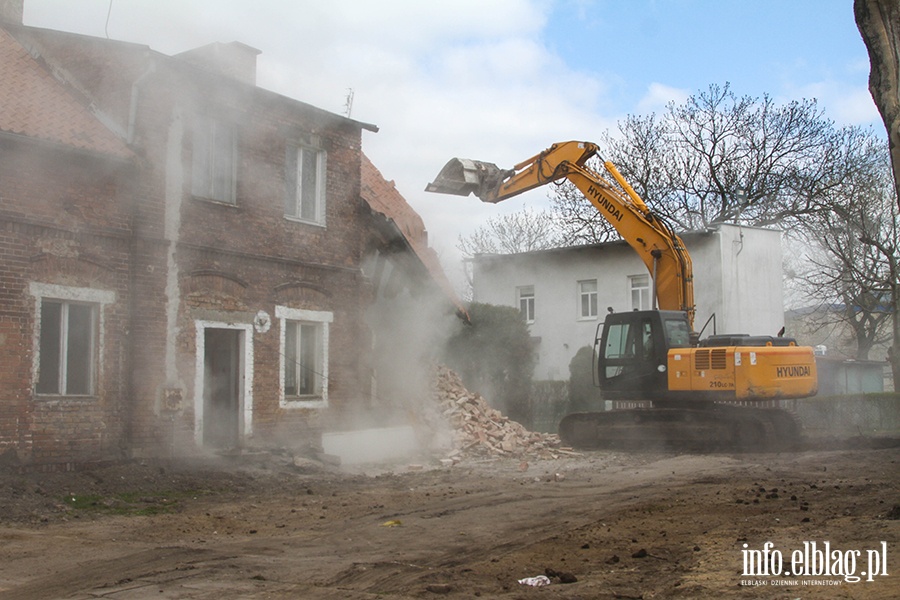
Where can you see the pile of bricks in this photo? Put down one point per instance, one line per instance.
(480, 430)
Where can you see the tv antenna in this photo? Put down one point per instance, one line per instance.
(348, 103)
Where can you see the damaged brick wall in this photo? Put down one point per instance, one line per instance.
(176, 262)
(229, 262)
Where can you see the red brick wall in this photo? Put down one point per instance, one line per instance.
(62, 222)
(233, 261)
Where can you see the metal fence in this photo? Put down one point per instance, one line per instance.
(868, 414)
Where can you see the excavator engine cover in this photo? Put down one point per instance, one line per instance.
(462, 176)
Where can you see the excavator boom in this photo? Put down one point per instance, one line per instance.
(659, 247)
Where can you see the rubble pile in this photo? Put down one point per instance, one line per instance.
(481, 430)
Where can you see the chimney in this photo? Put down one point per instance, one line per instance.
(11, 11)
(235, 60)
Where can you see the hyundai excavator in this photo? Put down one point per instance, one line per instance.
(698, 395)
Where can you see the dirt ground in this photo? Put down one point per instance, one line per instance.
(602, 525)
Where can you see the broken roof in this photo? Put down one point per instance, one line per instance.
(34, 104)
(382, 197)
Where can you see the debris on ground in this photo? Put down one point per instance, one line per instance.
(538, 581)
(481, 430)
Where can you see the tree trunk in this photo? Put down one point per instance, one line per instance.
(879, 24)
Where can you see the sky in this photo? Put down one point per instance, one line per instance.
(500, 80)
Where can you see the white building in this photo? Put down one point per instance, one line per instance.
(565, 293)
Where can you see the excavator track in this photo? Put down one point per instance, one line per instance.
(717, 428)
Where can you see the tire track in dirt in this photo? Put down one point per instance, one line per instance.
(518, 522)
(110, 572)
(464, 530)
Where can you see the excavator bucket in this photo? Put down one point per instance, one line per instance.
(462, 176)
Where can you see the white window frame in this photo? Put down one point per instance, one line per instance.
(323, 320)
(525, 302)
(640, 285)
(589, 296)
(294, 161)
(67, 295)
(205, 141)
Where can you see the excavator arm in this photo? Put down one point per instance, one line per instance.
(659, 247)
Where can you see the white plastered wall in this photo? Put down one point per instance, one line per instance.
(737, 276)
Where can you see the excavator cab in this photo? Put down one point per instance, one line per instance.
(632, 358)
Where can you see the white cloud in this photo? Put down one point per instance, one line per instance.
(855, 107)
(844, 104)
(847, 106)
(658, 96)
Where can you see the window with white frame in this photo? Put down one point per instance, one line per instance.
(304, 355)
(587, 299)
(303, 359)
(305, 183)
(66, 348)
(640, 292)
(214, 168)
(526, 302)
(68, 327)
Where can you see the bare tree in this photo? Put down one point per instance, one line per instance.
(847, 282)
(723, 158)
(852, 256)
(522, 231)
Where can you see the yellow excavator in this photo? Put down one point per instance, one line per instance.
(704, 395)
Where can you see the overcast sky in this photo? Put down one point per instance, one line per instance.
(500, 80)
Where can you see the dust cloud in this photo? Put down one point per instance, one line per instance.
(409, 334)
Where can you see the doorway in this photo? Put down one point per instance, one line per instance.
(222, 377)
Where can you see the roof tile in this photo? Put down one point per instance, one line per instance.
(34, 104)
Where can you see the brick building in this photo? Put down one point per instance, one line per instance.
(183, 253)
(65, 251)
